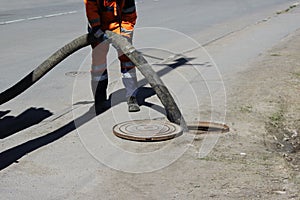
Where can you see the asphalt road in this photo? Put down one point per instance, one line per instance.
(32, 31)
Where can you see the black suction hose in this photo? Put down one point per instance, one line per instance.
(173, 113)
(119, 42)
(45, 67)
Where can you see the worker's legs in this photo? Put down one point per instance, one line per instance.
(99, 76)
(128, 71)
(129, 80)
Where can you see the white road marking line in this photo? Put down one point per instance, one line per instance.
(13, 21)
(53, 15)
(38, 17)
(72, 12)
(34, 18)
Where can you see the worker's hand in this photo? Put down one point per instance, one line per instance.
(99, 34)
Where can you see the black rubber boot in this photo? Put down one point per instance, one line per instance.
(99, 93)
(133, 105)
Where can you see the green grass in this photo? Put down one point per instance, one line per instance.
(277, 118)
(297, 74)
(246, 109)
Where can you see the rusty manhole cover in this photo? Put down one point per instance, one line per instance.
(147, 130)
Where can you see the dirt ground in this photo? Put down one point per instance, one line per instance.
(269, 93)
(264, 115)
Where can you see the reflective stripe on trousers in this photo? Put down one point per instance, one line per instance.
(128, 73)
(99, 72)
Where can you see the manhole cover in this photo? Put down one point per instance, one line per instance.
(147, 130)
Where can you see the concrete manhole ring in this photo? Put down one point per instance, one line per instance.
(207, 127)
(147, 130)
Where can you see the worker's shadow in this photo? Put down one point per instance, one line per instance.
(13, 154)
(10, 125)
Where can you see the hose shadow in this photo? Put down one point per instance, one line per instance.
(13, 154)
(146, 92)
(3, 113)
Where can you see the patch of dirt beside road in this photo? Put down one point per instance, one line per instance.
(264, 111)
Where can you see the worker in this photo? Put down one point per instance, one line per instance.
(120, 17)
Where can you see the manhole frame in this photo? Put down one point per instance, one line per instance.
(201, 127)
(206, 127)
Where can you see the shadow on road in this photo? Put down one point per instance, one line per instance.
(3, 113)
(13, 154)
(10, 125)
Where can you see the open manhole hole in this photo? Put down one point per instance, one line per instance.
(159, 130)
(147, 130)
(207, 127)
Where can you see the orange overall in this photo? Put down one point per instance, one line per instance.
(118, 16)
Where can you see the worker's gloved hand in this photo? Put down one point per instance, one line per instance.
(99, 34)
